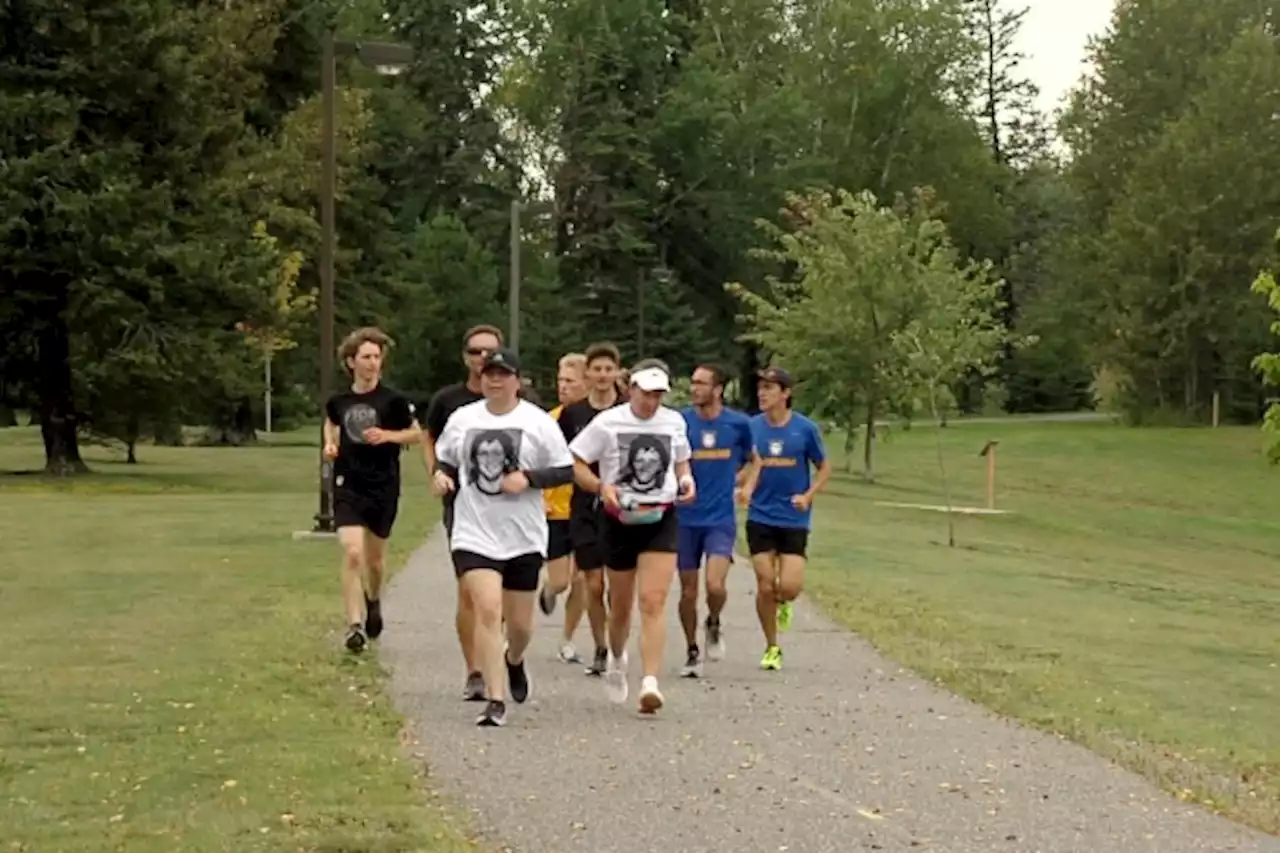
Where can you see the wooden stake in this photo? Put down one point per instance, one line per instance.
(989, 451)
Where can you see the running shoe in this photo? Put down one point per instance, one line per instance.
(373, 617)
(615, 679)
(518, 681)
(474, 691)
(650, 695)
(772, 659)
(784, 616)
(494, 714)
(692, 664)
(356, 639)
(715, 640)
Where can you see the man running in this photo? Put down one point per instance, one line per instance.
(585, 514)
(571, 387)
(364, 429)
(785, 445)
(477, 343)
(721, 441)
(642, 451)
(496, 456)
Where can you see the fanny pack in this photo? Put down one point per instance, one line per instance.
(638, 513)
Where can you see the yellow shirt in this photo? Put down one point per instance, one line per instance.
(557, 499)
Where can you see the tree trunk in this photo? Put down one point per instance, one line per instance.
(131, 440)
(868, 469)
(8, 417)
(58, 422)
(132, 451)
(235, 428)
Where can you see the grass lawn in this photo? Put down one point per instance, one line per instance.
(1130, 602)
(172, 677)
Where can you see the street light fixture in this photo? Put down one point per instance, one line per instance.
(387, 59)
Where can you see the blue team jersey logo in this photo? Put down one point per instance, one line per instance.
(775, 448)
(708, 438)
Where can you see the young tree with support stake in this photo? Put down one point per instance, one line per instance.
(882, 309)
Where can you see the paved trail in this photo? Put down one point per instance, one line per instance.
(841, 751)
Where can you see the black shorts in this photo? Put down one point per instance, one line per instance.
(586, 537)
(374, 511)
(765, 538)
(624, 543)
(519, 574)
(558, 543)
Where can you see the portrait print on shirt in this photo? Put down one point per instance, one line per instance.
(491, 454)
(645, 458)
(358, 418)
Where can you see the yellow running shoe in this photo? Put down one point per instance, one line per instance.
(772, 658)
(784, 616)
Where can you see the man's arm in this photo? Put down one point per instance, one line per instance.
(820, 479)
(585, 477)
(330, 431)
(817, 453)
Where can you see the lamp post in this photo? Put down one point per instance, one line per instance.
(513, 292)
(662, 274)
(387, 59)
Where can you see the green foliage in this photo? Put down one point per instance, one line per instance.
(1268, 363)
(882, 310)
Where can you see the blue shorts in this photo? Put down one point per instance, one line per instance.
(696, 542)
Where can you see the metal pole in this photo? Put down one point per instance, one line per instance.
(513, 295)
(640, 342)
(328, 190)
(267, 393)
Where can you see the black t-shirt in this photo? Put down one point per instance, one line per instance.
(573, 420)
(362, 466)
(445, 402)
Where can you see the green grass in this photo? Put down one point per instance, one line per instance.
(1130, 602)
(172, 678)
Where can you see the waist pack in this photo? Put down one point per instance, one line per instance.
(633, 513)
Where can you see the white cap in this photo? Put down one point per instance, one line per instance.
(651, 379)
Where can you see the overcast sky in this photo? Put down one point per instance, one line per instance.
(1053, 38)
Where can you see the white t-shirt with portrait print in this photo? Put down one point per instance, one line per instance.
(484, 447)
(637, 455)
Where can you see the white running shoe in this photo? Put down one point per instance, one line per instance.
(569, 653)
(650, 695)
(615, 679)
(715, 643)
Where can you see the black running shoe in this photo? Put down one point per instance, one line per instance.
(372, 617)
(474, 691)
(518, 681)
(494, 714)
(547, 601)
(599, 664)
(692, 664)
(356, 639)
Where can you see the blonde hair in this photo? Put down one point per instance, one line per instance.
(574, 361)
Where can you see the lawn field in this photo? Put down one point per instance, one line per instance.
(172, 679)
(1129, 602)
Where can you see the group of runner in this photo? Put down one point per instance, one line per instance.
(612, 491)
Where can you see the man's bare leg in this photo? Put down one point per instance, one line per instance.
(766, 567)
(653, 582)
(717, 597)
(574, 609)
(352, 540)
(597, 613)
(375, 556)
(689, 621)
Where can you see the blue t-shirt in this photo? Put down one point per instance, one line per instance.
(786, 454)
(721, 446)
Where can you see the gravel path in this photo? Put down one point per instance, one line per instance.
(841, 751)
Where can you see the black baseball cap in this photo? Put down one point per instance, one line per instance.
(502, 359)
(776, 375)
